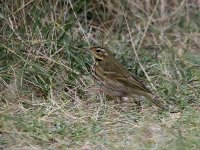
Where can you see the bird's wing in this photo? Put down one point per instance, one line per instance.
(116, 71)
(133, 84)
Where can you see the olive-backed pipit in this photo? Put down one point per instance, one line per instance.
(115, 80)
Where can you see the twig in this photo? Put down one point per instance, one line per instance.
(143, 36)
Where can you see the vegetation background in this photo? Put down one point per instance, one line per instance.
(48, 99)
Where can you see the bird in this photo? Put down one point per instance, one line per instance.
(115, 80)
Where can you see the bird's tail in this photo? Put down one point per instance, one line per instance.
(159, 103)
(155, 100)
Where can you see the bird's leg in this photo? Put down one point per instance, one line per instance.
(117, 100)
(120, 100)
(137, 103)
(109, 97)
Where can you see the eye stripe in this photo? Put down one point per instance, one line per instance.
(100, 49)
(103, 50)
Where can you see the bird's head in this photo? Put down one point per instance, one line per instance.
(100, 53)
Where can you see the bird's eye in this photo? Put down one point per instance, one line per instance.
(98, 51)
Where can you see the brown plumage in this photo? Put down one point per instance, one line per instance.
(114, 79)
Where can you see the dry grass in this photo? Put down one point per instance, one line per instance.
(48, 99)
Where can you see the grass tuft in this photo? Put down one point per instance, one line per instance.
(48, 99)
